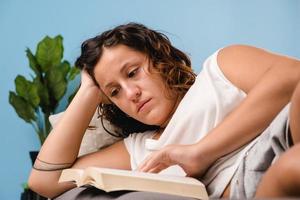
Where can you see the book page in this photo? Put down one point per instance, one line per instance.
(142, 175)
(114, 180)
(74, 175)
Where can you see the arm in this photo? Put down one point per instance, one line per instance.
(61, 147)
(269, 81)
(267, 78)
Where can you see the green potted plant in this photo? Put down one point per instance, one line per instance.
(36, 99)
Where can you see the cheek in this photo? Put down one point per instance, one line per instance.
(124, 106)
(154, 88)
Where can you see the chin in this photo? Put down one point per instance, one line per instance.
(157, 120)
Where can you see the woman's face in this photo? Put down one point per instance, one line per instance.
(123, 75)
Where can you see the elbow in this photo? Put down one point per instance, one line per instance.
(287, 77)
(39, 187)
(33, 184)
(294, 76)
(295, 70)
(45, 186)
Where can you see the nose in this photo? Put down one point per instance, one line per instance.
(132, 91)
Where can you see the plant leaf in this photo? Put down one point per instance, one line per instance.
(64, 67)
(33, 62)
(49, 52)
(27, 90)
(43, 95)
(25, 186)
(22, 107)
(73, 73)
(57, 82)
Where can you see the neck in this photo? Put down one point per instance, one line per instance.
(158, 133)
(179, 98)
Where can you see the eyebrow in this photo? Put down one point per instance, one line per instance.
(121, 71)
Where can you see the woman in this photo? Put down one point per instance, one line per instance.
(143, 83)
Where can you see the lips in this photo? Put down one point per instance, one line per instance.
(141, 104)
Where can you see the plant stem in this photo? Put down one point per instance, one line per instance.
(38, 132)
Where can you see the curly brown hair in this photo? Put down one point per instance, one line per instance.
(173, 65)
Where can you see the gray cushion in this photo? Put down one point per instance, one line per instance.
(91, 193)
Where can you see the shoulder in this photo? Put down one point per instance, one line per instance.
(244, 65)
(241, 54)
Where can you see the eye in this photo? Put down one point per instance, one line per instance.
(114, 92)
(132, 73)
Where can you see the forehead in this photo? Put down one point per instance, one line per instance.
(113, 59)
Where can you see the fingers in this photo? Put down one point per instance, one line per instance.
(158, 168)
(86, 79)
(87, 82)
(146, 165)
(182, 155)
(155, 162)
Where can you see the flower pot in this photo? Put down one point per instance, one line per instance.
(30, 195)
(33, 155)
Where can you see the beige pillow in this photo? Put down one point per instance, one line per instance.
(93, 139)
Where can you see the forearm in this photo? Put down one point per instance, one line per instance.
(62, 144)
(254, 114)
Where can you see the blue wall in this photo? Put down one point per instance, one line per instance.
(198, 27)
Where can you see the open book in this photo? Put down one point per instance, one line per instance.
(115, 179)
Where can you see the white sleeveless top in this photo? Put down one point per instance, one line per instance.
(207, 102)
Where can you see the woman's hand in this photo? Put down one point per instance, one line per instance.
(88, 84)
(86, 80)
(188, 157)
